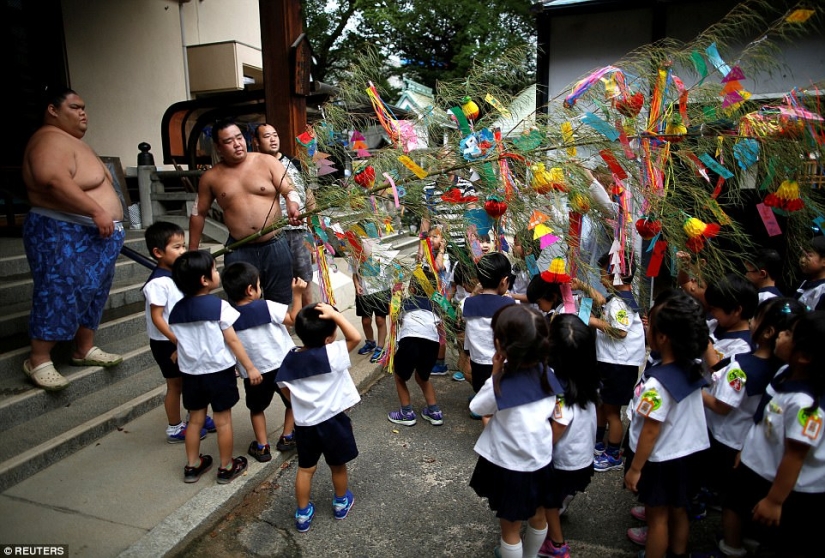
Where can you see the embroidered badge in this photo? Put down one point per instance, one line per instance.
(736, 378)
(650, 402)
(621, 317)
(811, 422)
(557, 411)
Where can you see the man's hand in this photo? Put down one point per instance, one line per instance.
(292, 213)
(105, 225)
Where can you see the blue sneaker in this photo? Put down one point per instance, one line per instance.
(342, 506)
(436, 418)
(400, 417)
(458, 376)
(439, 370)
(475, 416)
(209, 424)
(378, 352)
(607, 462)
(368, 347)
(599, 448)
(177, 434)
(303, 518)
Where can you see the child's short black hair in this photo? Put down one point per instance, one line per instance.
(769, 260)
(237, 277)
(190, 268)
(538, 289)
(627, 278)
(464, 273)
(817, 245)
(492, 268)
(415, 282)
(731, 292)
(311, 329)
(158, 234)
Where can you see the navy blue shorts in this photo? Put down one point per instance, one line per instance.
(218, 389)
(415, 354)
(273, 260)
(332, 438)
(72, 270)
(618, 381)
(259, 397)
(376, 303)
(480, 374)
(162, 351)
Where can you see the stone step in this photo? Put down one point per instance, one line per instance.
(48, 438)
(21, 401)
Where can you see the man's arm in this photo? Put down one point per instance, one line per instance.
(53, 167)
(198, 217)
(283, 186)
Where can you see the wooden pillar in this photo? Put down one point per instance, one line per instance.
(281, 26)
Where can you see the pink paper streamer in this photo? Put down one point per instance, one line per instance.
(394, 189)
(567, 297)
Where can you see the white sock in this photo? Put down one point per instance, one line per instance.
(509, 550)
(731, 551)
(533, 540)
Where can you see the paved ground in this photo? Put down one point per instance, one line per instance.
(412, 497)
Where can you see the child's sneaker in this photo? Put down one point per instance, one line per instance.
(439, 370)
(400, 417)
(192, 474)
(209, 424)
(378, 352)
(177, 434)
(286, 443)
(638, 512)
(549, 550)
(227, 475)
(458, 376)
(262, 454)
(566, 504)
(607, 462)
(638, 535)
(342, 506)
(436, 418)
(369, 346)
(303, 518)
(599, 448)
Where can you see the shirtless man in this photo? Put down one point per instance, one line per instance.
(247, 187)
(266, 140)
(72, 235)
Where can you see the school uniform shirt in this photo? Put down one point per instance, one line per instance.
(729, 343)
(160, 290)
(664, 394)
(478, 313)
(768, 292)
(574, 449)
(622, 313)
(263, 334)
(740, 382)
(418, 319)
(810, 294)
(198, 322)
(785, 414)
(319, 382)
(519, 436)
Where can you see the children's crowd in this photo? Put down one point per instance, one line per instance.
(723, 383)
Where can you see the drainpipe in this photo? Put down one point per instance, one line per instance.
(183, 46)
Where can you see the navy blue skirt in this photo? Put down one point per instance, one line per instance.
(568, 483)
(513, 495)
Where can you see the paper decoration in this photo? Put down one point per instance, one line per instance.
(600, 126)
(731, 99)
(768, 219)
(473, 242)
(697, 232)
(655, 265)
(735, 74)
(699, 64)
(547, 240)
(372, 230)
(537, 218)
(613, 164)
(496, 104)
(541, 230)
(746, 152)
(528, 141)
(532, 266)
(567, 298)
(410, 164)
(799, 16)
(716, 60)
(395, 193)
(585, 309)
(786, 197)
(819, 221)
(714, 165)
(567, 136)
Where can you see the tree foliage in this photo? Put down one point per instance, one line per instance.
(432, 41)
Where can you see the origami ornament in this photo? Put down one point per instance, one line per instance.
(365, 177)
(698, 231)
(556, 272)
(495, 206)
(675, 129)
(786, 197)
(579, 203)
(545, 181)
(648, 228)
(469, 108)
(630, 106)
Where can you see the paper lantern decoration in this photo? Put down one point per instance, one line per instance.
(495, 206)
(630, 105)
(556, 272)
(469, 108)
(648, 228)
(786, 197)
(365, 177)
(698, 231)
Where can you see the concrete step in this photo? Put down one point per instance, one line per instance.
(48, 438)
(21, 401)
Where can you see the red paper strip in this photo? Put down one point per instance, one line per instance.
(623, 139)
(574, 239)
(613, 164)
(769, 219)
(656, 258)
